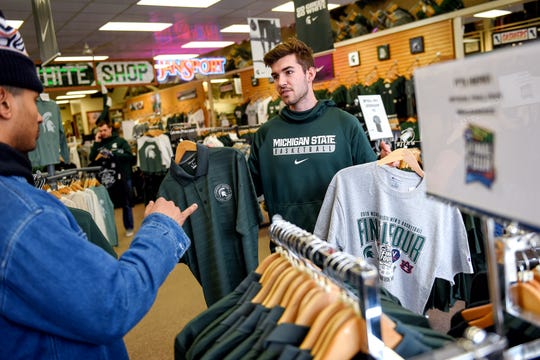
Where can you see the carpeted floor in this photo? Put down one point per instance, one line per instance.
(180, 299)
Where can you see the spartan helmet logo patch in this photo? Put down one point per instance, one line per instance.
(223, 192)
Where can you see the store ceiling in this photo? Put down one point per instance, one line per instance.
(77, 22)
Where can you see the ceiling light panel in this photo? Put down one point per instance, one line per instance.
(207, 44)
(175, 56)
(66, 97)
(236, 28)
(135, 26)
(179, 3)
(289, 7)
(492, 14)
(80, 58)
(81, 92)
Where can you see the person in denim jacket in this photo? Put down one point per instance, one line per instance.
(61, 296)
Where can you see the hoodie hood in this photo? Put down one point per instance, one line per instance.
(15, 163)
(308, 115)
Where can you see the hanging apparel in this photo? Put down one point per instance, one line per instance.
(154, 154)
(225, 228)
(52, 143)
(295, 155)
(92, 231)
(382, 214)
(237, 327)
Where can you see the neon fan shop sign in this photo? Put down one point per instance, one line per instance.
(186, 69)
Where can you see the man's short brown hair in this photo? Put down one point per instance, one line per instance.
(304, 54)
(102, 122)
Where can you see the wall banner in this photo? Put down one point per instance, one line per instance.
(264, 34)
(313, 24)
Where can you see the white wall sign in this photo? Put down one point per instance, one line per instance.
(375, 117)
(480, 121)
(264, 35)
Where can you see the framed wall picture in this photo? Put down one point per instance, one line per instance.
(383, 52)
(354, 58)
(92, 117)
(472, 47)
(416, 45)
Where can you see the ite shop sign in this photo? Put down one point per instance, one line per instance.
(125, 72)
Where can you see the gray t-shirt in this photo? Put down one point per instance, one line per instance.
(383, 214)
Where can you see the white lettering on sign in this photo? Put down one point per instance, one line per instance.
(187, 69)
(310, 8)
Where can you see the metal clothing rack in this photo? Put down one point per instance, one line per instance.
(361, 276)
(517, 262)
(40, 178)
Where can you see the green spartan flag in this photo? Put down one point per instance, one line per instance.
(313, 24)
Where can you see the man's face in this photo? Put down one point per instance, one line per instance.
(292, 83)
(105, 131)
(26, 120)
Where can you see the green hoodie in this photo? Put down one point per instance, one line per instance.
(123, 157)
(295, 155)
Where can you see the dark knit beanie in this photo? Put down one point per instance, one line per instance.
(16, 68)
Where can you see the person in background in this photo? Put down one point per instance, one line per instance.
(296, 153)
(113, 154)
(62, 297)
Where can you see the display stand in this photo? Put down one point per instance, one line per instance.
(475, 119)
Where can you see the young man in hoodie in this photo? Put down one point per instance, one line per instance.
(295, 155)
(61, 296)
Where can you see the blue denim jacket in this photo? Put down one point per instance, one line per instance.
(62, 297)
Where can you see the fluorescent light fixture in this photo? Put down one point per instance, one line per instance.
(135, 26)
(490, 14)
(61, 102)
(236, 28)
(219, 81)
(81, 92)
(65, 97)
(80, 58)
(289, 7)
(175, 56)
(15, 23)
(207, 44)
(179, 3)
